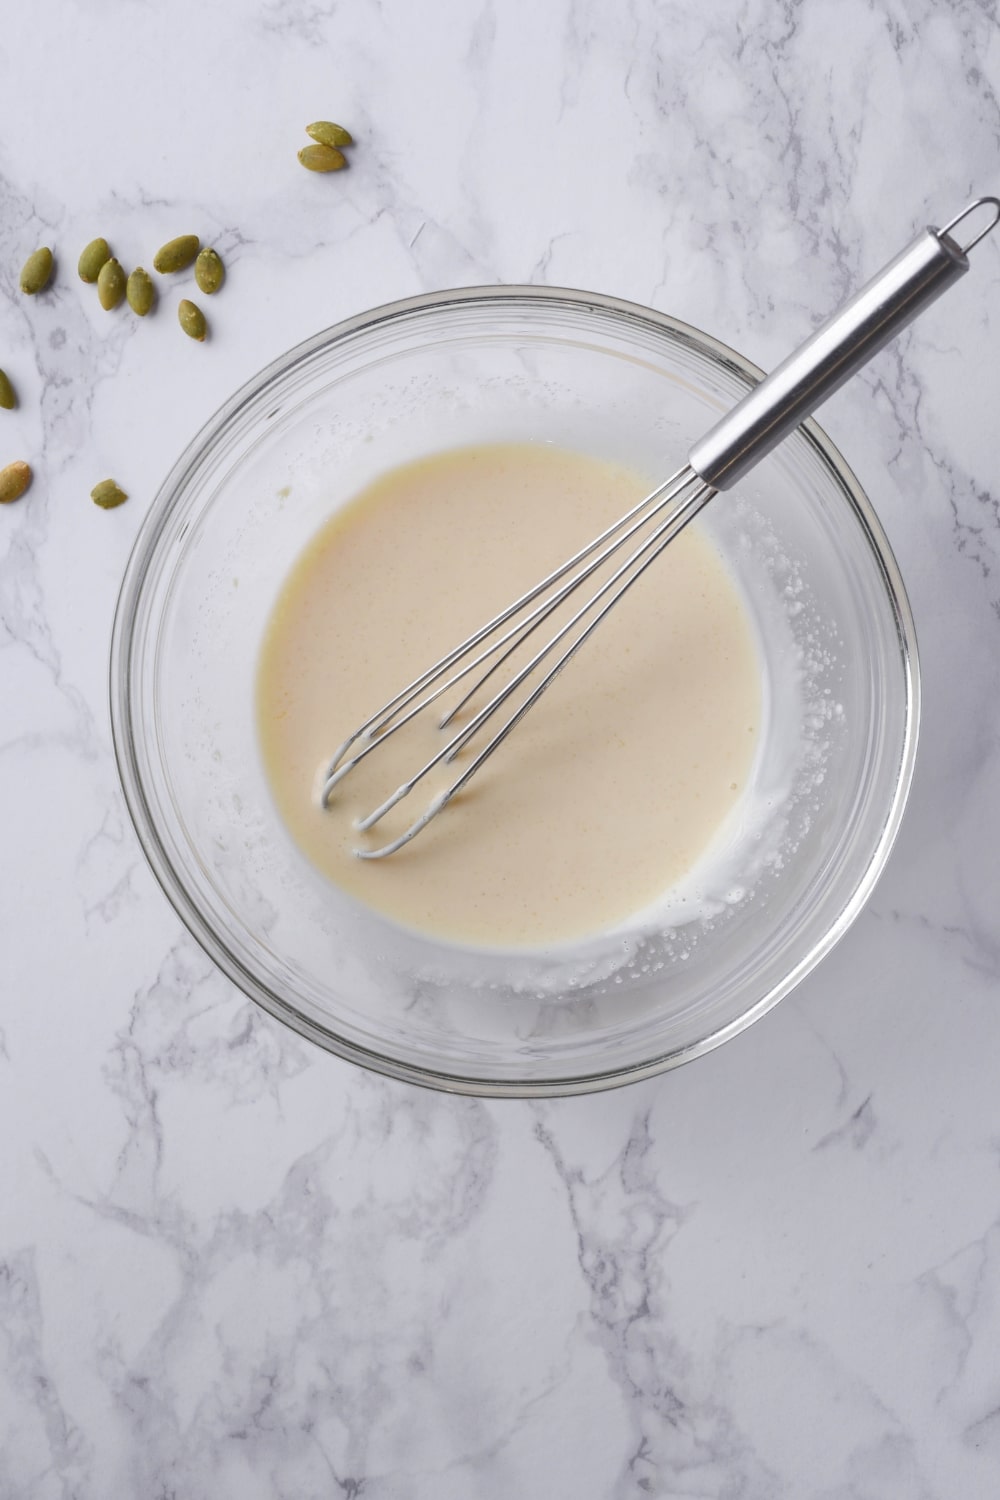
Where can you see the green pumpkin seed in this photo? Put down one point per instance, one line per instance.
(36, 271)
(176, 255)
(322, 158)
(14, 480)
(192, 320)
(140, 291)
(8, 400)
(209, 272)
(329, 134)
(108, 495)
(92, 258)
(110, 284)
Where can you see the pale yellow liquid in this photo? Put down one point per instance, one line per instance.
(607, 792)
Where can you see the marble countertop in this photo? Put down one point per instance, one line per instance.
(233, 1266)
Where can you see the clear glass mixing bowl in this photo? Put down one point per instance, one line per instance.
(585, 372)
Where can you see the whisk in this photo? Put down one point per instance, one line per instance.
(732, 447)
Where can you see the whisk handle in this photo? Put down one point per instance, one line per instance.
(839, 348)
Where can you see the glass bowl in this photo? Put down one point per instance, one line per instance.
(590, 373)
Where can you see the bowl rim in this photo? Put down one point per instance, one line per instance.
(123, 642)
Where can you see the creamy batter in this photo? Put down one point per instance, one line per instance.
(612, 786)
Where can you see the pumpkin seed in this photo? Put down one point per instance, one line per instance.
(140, 291)
(36, 271)
(329, 134)
(110, 284)
(192, 320)
(322, 158)
(108, 494)
(92, 258)
(14, 480)
(176, 255)
(209, 272)
(8, 400)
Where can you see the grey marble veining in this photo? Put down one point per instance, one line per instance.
(233, 1266)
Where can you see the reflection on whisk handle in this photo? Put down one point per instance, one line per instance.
(835, 352)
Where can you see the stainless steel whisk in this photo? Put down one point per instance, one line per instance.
(757, 423)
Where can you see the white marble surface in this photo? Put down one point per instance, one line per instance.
(231, 1266)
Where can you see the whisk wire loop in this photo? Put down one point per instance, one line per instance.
(420, 693)
(686, 500)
